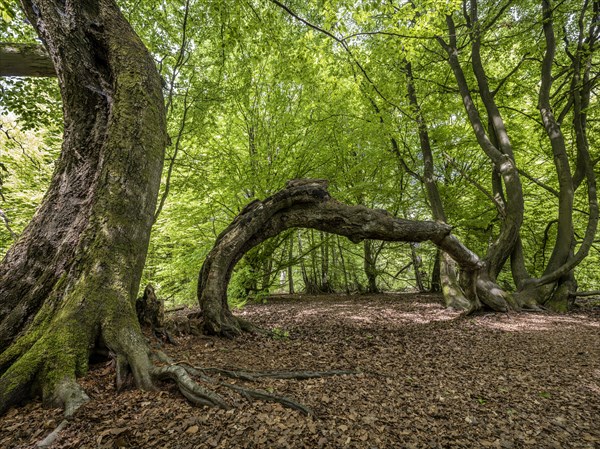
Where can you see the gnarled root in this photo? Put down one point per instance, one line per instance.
(264, 396)
(188, 387)
(227, 325)
(69, 395)
(181, 371)
(254, 376)
(52, 436)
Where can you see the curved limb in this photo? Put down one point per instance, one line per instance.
(306, 203)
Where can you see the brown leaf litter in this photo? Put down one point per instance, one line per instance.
(429, 379)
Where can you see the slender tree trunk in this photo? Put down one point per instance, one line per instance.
(70, 281)
(453, 295)
(370, 267)
(326, 286)
(416, 262)
(436, 286)
(344, 269)
(290, 269)
(305, 279)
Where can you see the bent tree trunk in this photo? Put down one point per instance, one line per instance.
(306, 203)
(69, 283)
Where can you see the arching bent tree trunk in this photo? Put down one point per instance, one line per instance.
(70, 281)
(307, 204)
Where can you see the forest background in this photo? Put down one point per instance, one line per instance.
(259, 93)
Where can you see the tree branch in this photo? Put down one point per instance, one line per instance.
(342, 42)
(25, 60)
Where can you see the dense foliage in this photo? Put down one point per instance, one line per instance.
(260, 92)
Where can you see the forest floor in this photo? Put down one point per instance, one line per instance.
(429, 379)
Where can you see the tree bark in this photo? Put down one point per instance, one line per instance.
(307, 204)
(454, 297)
(70, 281)
(25, 60)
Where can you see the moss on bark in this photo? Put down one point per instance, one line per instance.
(72, 278)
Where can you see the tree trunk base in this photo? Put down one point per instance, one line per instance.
(550, 297)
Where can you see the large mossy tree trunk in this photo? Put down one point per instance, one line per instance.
(307, 204)
(69, 283)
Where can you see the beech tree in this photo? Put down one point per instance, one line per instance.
(69, 283)
(471, 36)
(306, 203)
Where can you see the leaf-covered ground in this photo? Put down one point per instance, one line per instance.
(428, 379)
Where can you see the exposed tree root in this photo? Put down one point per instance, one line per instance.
(135, 364)
(70, 396)
(188, 387)
(264, 396)
(181, 371)
(52, 436)
(254, 376)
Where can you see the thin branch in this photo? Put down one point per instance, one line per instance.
(342, 42)
(494, 19)
(181, 59)
(529, 116)
(511, 73)
(477, 185)
(385, 33)
(538, 182)
(20, 145)
(7, 224)
(173, 158)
